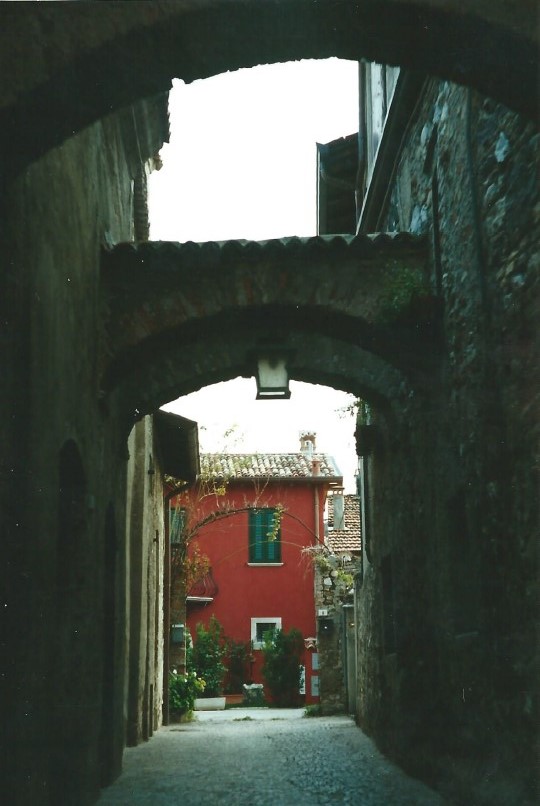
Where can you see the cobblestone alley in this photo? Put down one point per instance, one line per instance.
(263, 757)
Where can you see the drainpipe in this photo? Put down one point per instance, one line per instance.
(316, 470)
(360, 491)
(480, 256)
(316, 513)
(166, 612)
(362, 142)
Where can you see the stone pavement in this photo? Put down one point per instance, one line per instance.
(263, 757)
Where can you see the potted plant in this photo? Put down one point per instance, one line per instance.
(183, 691)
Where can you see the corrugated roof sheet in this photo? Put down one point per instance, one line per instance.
(269, 465)
(348, 539)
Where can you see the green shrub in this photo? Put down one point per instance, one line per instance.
(282, 664)
(183, 690)
(237, 658)
(206, 656)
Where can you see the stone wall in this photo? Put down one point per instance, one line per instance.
(144, 611)
(64, 471)
(449, 596)
(329, 646)
(331, 595)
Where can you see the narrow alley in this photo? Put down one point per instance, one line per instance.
(410, 284)
(261, 757)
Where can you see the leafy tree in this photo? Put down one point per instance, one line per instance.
(281, 669)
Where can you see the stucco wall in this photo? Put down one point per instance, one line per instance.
(249, 591)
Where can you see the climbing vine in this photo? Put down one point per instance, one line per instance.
(402, 287)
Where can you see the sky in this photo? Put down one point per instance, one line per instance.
(241, 164)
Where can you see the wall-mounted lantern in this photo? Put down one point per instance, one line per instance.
(272, 376)
(177, 633)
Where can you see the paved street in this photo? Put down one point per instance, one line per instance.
(263, 757)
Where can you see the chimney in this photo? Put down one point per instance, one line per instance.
(316, 467)
(307, 442)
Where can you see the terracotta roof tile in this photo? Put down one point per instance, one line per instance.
(269, 465)
(349, 538)
(122, 268)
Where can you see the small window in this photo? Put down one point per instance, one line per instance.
(261, 626)
(264, 536)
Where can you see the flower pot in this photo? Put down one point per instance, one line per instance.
(210, 704)
(234, 699)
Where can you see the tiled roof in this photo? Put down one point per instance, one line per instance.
(128, 263)
(348, 539)
(269, 465)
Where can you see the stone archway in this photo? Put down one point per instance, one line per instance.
(66, 66)
(78, 67)
(169, 307)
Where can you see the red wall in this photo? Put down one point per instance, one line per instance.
(246, 592)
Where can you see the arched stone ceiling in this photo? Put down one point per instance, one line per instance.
(69, 64)
(316, 359)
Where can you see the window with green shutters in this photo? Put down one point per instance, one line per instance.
(177, 522)
(264, 539)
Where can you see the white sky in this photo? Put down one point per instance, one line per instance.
(241, 163)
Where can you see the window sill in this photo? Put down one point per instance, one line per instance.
(265, 565)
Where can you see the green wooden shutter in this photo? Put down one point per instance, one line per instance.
(271, 545)
(261, 549)
(177, 519)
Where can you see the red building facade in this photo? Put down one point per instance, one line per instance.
(270, 509)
